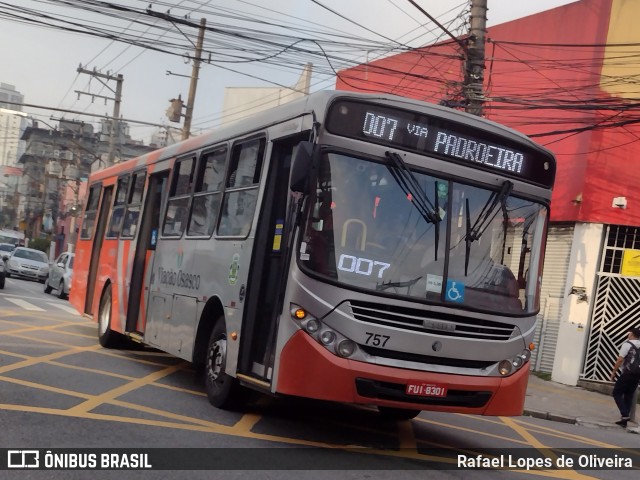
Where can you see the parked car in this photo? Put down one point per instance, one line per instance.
(60, 275)
(6, 248)
(28, 263)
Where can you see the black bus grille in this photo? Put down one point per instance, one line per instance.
(426, 359)
(396, 392)
(430, 322)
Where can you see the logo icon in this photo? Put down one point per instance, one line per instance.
(455, 291)
(23, 459)
(233, 269)
(179, 257)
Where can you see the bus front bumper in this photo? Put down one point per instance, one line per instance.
(307, 369)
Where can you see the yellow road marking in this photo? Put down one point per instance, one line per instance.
(36, 328)
(530, 439)
(247, 422)
(47, 388)
(45, 358)
(126, 388)
(407, 436)
(13, 354)
(554, 433)
(51, 342)
(137, 360)
(535, 443)
(465, 429)
(92, 370)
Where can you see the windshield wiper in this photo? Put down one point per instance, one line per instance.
(408, 283)
(410, 186)
(486, 216)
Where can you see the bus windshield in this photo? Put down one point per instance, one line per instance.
(475, 248)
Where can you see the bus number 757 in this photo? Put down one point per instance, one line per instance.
(375, 339)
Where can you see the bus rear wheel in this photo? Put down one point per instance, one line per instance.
(223, 391)
(392, 413)
(107, 337)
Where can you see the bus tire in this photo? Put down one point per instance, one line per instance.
(223, 391)
(392, 413)
(2, 282)
(107, 337)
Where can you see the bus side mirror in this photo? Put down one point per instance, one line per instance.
(301, 166)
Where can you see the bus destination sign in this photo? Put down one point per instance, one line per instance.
(421, 133)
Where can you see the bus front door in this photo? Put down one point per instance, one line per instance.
(145, 247)
(269, 263)
(98, 238)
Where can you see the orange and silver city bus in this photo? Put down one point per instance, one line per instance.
(367, 249)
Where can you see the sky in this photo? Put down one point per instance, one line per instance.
(253, 44)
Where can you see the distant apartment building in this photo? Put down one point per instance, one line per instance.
(10, 98)
(241, 102)
(166, 136)
(12, 124)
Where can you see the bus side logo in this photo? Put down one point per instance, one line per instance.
(233, 269)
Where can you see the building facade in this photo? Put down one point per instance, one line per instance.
(56, 164)
(10, 98)
(568, 78)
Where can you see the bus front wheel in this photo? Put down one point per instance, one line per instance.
(391, 413)
(223, 390)
(107, 337)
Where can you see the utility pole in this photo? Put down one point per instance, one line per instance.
(116, 106)
(186, 129)
(474, 65)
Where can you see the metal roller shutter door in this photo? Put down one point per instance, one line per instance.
(554, 280)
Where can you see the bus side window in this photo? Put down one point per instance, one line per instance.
(207, 196)
(177, 212)
(241, 195)
(133, 205)
(119, 205)
(91, 211)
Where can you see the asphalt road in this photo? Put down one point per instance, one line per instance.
(60, 389)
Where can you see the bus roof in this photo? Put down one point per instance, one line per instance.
(316, 102)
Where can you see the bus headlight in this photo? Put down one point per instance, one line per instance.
(327, 337)
(346, 348)
(324, 335)
(312, 326)
(511, 365)
(504, 367)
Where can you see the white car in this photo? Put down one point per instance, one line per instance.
(60, 275)
(28, 263)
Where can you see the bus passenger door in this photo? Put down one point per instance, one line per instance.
(266, 277)
(145, 247)
(97, 248)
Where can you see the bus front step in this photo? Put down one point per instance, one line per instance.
(135, 337)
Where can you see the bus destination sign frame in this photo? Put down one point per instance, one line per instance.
(424, 134)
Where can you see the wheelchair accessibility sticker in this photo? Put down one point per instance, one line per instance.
(455, 291)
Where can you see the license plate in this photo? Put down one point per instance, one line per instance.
(426, 390)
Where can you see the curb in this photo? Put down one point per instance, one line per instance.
(549, 416)
(582, 421)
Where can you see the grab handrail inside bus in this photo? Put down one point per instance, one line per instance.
(345, 228)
